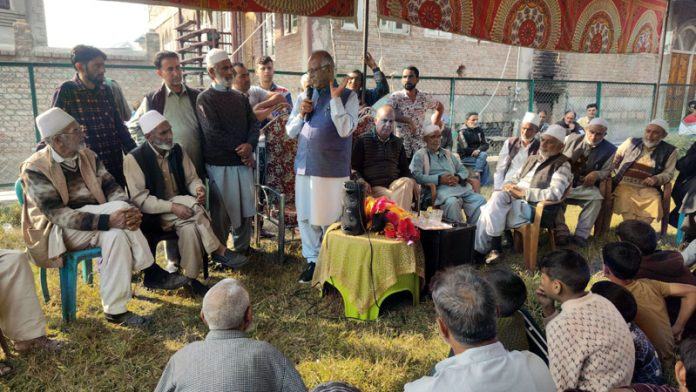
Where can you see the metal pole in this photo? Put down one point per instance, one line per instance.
(662, 56)
(34, 105)
(598, 99)
(530, 103)
(366, 29)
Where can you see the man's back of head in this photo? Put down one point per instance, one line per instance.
(465, 303)
(621, 259)
(226, 306)
(685, 369)
(638, 233)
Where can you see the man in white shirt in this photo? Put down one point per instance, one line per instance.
(466, 320)
(516, 150)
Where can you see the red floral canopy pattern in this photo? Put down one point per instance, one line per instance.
(332, 8)
(587, 26)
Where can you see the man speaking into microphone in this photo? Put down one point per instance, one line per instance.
(323, 119)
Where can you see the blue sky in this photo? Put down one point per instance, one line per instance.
(104, 24)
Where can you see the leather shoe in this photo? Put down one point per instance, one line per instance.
(165, 282)
(231, 259)
(127, 319)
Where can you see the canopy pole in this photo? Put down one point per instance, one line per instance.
(662, 56)
(366, 29)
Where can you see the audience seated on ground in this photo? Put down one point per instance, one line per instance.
(516, 328)
(433, 164)
(621, 264)
(544, 176)
(663, 265)
(647, 369)
(21, 318)
(590, 345)
(466, 319)
(228, 360)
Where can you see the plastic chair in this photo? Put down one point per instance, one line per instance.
(407, 282)
(680, 232)
(527, 236)
(67, 273)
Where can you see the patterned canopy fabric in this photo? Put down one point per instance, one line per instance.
(587, 26)
(332, 8)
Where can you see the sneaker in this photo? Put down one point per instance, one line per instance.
(127, 319)
(231, 259)
(172, 266)
(308, 273)
(493, 257)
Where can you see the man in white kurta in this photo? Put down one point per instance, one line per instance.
(323, 122)
(516, 149)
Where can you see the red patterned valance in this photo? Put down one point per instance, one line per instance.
(332, 8)
(589, 26)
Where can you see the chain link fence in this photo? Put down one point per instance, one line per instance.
(501, 103)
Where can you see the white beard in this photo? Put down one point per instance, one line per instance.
(650, 144)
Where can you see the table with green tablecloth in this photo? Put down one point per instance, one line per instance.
(344, 262)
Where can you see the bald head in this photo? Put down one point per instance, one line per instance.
(225, 305)
(384, 121)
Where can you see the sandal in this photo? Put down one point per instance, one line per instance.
(4, 369)
(40, 343)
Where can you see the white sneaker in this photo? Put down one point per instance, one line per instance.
(171, 267)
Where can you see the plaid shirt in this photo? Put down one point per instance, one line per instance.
(95, 109)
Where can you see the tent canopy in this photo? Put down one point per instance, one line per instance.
(586, 26)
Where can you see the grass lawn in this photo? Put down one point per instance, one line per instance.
(402, 345)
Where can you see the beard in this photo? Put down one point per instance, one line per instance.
(650, 144)
(96, 79)
(163, 145)
(409, 86)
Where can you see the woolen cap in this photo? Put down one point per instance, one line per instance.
(600, 121)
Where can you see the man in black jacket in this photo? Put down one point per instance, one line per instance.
(379, 162)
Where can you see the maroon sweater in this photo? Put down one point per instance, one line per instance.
(668, 266)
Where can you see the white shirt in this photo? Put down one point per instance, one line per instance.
(489, 368)
(501, 176)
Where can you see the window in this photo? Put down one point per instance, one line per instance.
(430, 33)
(5, 4)
(290, 23)
(390, 26)
(351, 24)
(268, 35)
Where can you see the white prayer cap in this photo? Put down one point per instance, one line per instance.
(556, 131)
(600, 121)
(532, 118)
(215, 56)
(150, 120)
(660, 123)
(52, 121)
(430, 129)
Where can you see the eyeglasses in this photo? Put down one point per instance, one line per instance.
(315, 70)
(386, 120)
(75, 131)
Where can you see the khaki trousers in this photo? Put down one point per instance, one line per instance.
(400, 190)
(122, 252)
(20, 313)
(195, 235)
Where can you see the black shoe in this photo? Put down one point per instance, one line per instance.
(164, 281)
(231, 259)
(308, 273)
(197, 288)
(579, 242)
(127, 319)
(266, 234)
(562, 240)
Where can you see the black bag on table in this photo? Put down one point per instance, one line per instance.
(448, 247)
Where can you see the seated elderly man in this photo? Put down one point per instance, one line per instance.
(73, 203)
(516, 149)
(433, 164)
(641, 166)
(21, 318)
(545, 176)
(590, 158)
(379, 162)
(465, 306)
(228, 360)
(162, 181)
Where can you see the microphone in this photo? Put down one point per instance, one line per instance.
(308, 97)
